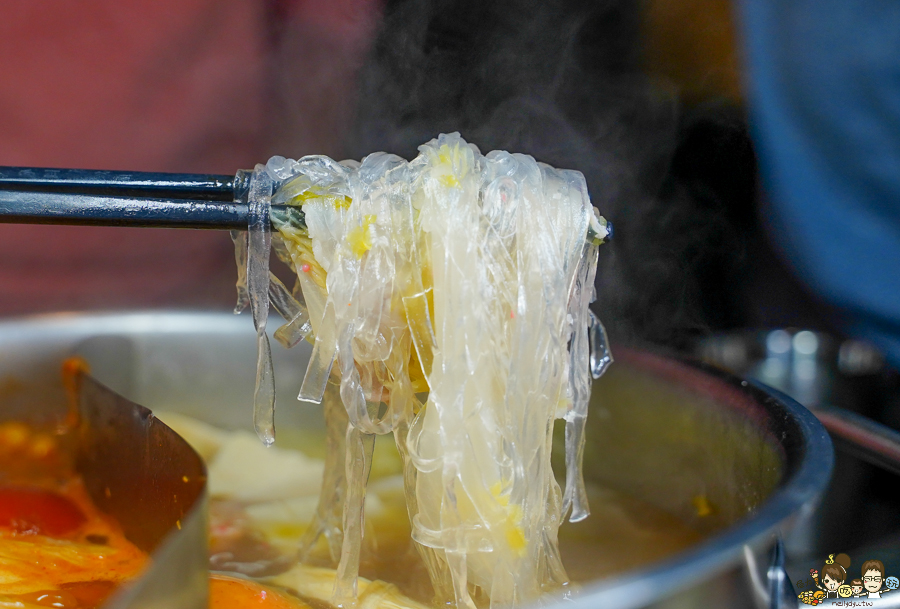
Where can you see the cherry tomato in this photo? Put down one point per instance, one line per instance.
(38, 512)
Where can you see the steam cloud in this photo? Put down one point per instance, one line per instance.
(559, 80)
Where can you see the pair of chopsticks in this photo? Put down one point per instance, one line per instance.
(83, 197)
(123, 198)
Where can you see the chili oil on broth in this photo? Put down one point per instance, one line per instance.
(56, 548)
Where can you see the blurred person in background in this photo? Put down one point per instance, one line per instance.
(197, 86)
(824, 99)
(808, 91)
(818, 83)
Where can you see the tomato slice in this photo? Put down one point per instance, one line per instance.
(38, 512)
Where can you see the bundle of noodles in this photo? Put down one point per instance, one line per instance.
(458, 276)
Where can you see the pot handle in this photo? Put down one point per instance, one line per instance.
(862, 437)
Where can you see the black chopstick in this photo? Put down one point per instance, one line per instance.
(120, 198)
(97, 210)
(206, 187)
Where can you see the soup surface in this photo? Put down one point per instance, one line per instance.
(58, 550)
(264, 499)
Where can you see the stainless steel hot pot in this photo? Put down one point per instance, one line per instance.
(662, 430)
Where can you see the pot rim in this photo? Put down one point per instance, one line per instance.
(809, 458)
(809, 464)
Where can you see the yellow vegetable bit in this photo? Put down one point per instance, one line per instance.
(515, 537)
(359, 237)
(449, 181)
(702, 505)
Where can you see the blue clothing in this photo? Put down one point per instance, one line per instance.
(824, 100)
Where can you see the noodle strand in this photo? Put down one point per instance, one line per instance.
(259, 246)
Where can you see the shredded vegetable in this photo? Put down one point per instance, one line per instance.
(447, 301)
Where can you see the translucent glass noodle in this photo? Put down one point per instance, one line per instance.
(447, 301)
